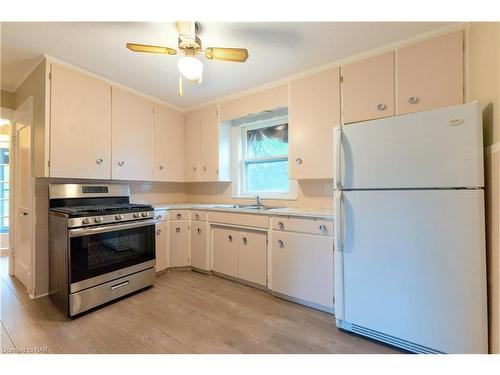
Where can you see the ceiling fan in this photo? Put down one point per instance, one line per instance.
(189, 46)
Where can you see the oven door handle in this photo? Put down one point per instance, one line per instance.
(110, 228)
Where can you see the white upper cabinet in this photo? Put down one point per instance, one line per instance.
(207, 146)
(368, 89)
(132, 136)
(430, 74)
(168, 144)
(80, 125)
(314, 111)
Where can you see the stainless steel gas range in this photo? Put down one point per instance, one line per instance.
(102, 247)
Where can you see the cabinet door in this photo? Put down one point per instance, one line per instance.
(132, 140)
(252, 257)
(161, 246)
(302, 267)
(192, 146)
(178, 244)
(80, 125)
(430, 74)
(199, 248)
(168, 144)
(368, 89)
(314, 111)
(225, 251)
(209, 156)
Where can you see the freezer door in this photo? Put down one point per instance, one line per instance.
(413, 265)
(441, 148)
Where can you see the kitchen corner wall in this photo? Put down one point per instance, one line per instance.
(484, 85)
(310, 194)
(7, 99)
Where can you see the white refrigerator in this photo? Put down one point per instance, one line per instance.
(410, 255)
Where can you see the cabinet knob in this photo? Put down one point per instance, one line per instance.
(197, 216)
(381, 107)
(204, 168)
(413, 100)
(298, 161)
(281, 244)
(322, 228)
(179, 216)
(121, 163)
(199, 231)
(244, 239)
(161, 167)
(230, 238)
(158, 232)
(281, 226)
(177, 229)
(194, 168)
(99, 161)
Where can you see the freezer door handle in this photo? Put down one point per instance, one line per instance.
(337, 146)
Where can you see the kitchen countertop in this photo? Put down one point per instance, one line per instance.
(323, 213)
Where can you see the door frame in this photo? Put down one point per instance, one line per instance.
(23, 113)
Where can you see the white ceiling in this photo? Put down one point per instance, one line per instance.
(276, 50)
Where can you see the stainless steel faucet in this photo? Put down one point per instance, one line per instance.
(257, 198)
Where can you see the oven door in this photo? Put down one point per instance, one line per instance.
(103, 253)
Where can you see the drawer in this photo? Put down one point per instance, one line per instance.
(246, 220)
(178, 214)
(161, 215)
(302, 225)
(199, 215)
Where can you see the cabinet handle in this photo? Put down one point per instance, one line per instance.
(281, 244)
(199, 231)
(381, 107)
(161, 167)
(99, 161)
(230, 238)
(244, 240)
(197, 217)
(179, 216)
(413, 100)
(322, 228)
(204, 168)
(121, 163)
(158, 232)
(281, 226)
(194, 168)
(298, 161)
(177, 229)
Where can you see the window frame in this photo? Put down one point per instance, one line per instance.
(243, 161)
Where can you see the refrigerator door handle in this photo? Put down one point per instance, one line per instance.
(337, 147)
(338, 260)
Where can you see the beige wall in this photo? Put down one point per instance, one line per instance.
(484, 85)
(7, 99)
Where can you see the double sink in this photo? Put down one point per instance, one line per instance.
(260, 207)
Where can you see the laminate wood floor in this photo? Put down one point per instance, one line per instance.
(184, 312)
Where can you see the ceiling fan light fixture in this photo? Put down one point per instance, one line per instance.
(191, 68)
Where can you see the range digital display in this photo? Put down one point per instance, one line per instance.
(94, 189)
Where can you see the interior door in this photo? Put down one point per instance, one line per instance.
(23, 230)
(414, 266)
(441, 148)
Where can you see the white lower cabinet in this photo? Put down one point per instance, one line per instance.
(252, 257)
(199, 250)
(225, 251)
(178, 243)
(302, 267)
(161, 246)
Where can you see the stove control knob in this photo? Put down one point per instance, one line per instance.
(136, 215)
(145, 214)
(86, 220)
(98, 219)
(119, 217)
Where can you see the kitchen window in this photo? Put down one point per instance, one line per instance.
(263, 161)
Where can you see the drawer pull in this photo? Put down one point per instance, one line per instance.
(158, 232)
(179, 216)
(230, 238)
(281, 244)
(119, 285)
(161, 167)
(99, 161)
(299, 161)
(381, 107)
(281, 226)
(322, 228)
(244, 239)
(199, 231)
(121, 163)
(413, 100)
(197, 217)
(178, 229)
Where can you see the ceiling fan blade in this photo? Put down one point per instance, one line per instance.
(227, 54)
(150, 49)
